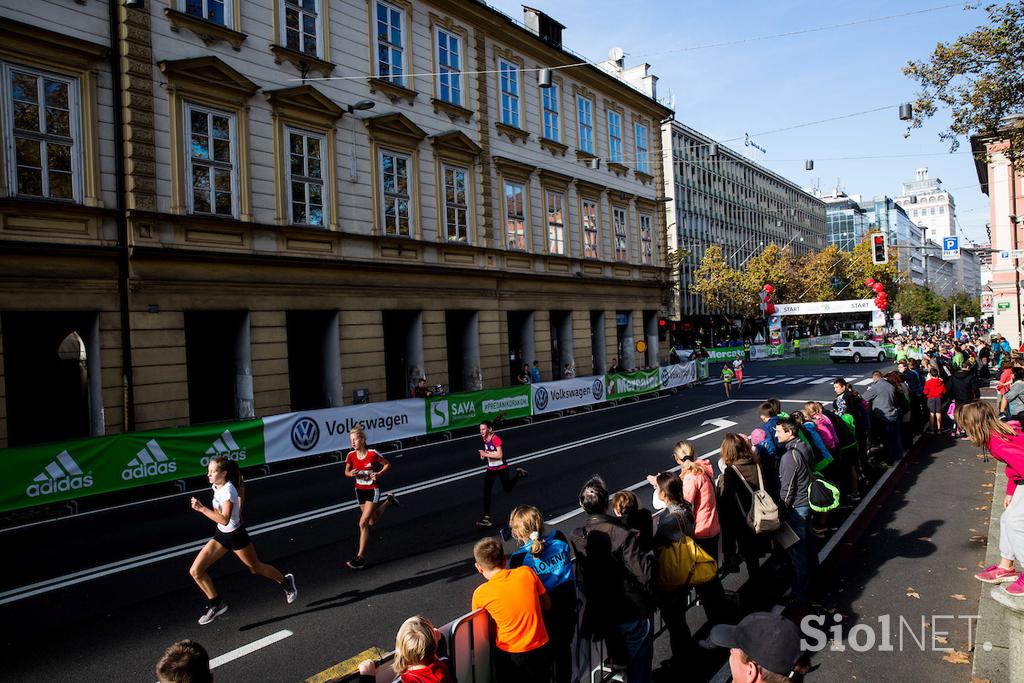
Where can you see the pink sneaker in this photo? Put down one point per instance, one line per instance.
(1016, 589)
(996, 574)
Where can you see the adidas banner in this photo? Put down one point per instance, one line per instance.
(678, 375)
(296, 435)
(38, 475)
(549, 397)
(468, 409)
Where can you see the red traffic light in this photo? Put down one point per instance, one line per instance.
(879, 240)
(661, 322)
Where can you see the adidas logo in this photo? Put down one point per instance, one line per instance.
(60, 476)
(224, 445)
(149, 462)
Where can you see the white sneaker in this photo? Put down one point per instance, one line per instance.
(290, 591)
(212, 613)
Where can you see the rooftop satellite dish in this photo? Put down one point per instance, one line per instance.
(616, 54)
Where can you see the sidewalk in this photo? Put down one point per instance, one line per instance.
(991, 659)
(903, 598)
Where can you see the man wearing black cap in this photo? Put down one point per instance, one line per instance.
(763, 648)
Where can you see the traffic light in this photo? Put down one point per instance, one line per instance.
(879, 248)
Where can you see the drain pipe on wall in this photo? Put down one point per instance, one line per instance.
(124, 254)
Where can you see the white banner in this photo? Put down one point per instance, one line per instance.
(816, 307)
(549, 397)
(678, 375)
(296, 435)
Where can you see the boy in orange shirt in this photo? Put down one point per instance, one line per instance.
(514, 599)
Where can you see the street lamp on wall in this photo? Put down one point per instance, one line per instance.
(906, 111)
(544, 78)
(135, 4)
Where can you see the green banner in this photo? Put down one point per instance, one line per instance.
(468, 409)
(38, 475)
(622, 384)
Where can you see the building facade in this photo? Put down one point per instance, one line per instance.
(719, 197)
(945, 278)
(929, 205)
(1004, 186)
(288, 206)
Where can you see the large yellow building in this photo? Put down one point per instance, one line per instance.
(245, 208)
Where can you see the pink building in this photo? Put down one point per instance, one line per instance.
(1005, 190)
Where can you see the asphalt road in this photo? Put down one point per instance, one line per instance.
(99, 596)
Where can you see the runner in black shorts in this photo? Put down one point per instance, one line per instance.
(497, 468)
(228, 494)
(366, 466)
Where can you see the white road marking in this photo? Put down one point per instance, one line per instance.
(250, 648)
(631, 487)
(758, 380)
(779, 380)
(58, 582)
(862, 382)
(720, 424)
(801, 380)
(822, 380)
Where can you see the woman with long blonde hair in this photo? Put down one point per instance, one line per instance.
(1005, 441)
(366, 466)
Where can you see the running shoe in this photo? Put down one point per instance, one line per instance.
(290, 590)
(394, 501)
(1016, 589)
(485, 522)
(996, 574)
(212, 612)
(521, 473)
(1007, 600)
(356, 563)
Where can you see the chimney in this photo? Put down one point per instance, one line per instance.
(543, 26)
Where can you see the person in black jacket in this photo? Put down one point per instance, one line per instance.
(964, 388)
(614, 577)
(739, 464)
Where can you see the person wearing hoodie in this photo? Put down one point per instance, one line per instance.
(964, 388)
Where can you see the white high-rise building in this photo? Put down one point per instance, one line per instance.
(928, 205)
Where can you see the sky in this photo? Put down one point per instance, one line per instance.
(763, 85)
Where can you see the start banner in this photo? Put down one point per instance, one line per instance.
(38, 475)
(457, 411)
(678, 375)
(623, 384)
(549, 397)
(296, 435)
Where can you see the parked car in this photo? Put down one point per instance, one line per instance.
(856, 350)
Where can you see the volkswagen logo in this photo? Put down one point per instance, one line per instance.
(540, 398)
(305, 433)
(598, 389)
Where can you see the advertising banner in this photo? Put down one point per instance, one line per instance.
(549, 397)
(37, 475)
(678, 375)
(703, 368)
(456, 411)
(296, 435)
(623, 384)
(721, 353)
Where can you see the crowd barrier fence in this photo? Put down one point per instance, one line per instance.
(49, 473)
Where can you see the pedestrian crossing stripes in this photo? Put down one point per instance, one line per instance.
(792, 380)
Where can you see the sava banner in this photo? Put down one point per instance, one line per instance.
(457, 411)
(296, 435)
(49, 473)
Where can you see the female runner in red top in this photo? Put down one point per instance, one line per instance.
(366, 466)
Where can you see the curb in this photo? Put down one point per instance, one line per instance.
(992, 663)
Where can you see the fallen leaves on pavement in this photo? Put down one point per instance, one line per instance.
(941, 640)
(958, 596)
(957, 657)
(911, 593)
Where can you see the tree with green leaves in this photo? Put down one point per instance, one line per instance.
(980, 79)
(715, 281)
(966, 306)
(857, 266)
(773, 266)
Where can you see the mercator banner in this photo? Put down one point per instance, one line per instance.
(296, 435)
(622, 384)
(456, 411)
(38, 475)
(678, 375)
(549, 397)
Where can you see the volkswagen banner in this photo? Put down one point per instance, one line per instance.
(549, 397)
(296, 435)
(678, 375)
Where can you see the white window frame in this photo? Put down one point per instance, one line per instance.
(508, 72)
(642, 150)
(646, 239)
(461, 230)
(306, 180)
(584, 205)
(556, 229)
(75, 128)
(399, 79)
(282, 20)
(620, 234)
(614, 141)
(190, 162)
(388, 197)
(550, 106)
(228, 12)
(452, 72)
(511, 238)
(585, 126)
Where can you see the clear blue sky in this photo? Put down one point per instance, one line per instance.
(779, 82)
